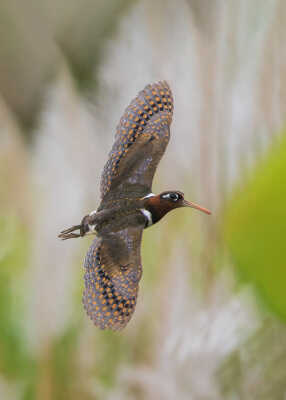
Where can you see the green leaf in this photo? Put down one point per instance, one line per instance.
(255, 228)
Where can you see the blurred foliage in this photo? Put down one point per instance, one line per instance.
(63, 363)
(15, 360)
(255, 227)
(26, 65)
(241, 369)
(183, 330)
(92, 29)
(36, 41)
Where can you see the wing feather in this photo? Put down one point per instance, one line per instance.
(140, 141)
(112, 274)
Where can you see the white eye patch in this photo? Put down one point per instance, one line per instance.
(171, 196)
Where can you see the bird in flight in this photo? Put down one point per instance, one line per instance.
(112, 265)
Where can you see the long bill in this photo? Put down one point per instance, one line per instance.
(196, 206)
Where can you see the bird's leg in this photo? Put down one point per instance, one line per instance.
(86, 227)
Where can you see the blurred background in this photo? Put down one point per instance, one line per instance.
(210, 319)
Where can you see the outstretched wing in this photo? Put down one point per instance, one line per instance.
(112, 274)
(140, 142)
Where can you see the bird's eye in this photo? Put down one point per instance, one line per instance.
(174, 196)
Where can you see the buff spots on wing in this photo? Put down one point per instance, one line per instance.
(153, 105)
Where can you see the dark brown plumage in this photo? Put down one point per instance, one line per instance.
(140, 141)
(113, 264)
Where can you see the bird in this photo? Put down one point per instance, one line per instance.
(112, 266)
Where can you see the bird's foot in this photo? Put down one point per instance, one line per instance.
(67, 233)
(84, 229)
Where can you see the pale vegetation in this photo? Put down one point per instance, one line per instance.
(210, 320)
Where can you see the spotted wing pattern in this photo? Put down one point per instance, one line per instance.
(140, 141)
(112, 273)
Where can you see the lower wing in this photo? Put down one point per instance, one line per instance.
(112, 273)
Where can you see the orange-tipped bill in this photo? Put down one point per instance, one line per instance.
(196, 206)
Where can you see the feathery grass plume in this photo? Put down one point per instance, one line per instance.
(225, 64)
(194, 337)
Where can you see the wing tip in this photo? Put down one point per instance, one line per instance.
(161, 83)
(113, 323)
(157, 86)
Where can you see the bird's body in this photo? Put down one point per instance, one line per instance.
(113, 264)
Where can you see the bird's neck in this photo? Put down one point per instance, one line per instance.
(157, 208)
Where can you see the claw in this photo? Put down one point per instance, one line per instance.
(66, 236)
(86, 227)
(67, 233)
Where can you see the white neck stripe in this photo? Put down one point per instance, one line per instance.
(148, 215)
(149, 195)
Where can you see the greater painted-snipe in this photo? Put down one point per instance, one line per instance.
(113, 263)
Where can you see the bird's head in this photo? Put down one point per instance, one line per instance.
(167, 201)
(175, 199)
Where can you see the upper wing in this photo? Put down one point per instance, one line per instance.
(140, 141)
(112, 273)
